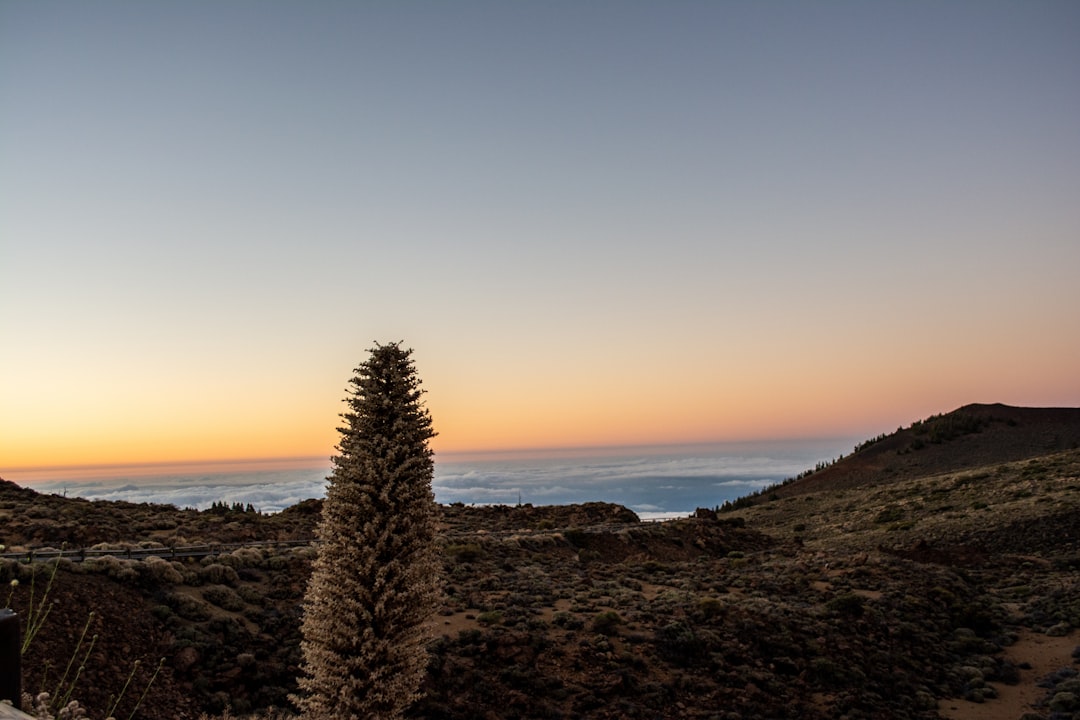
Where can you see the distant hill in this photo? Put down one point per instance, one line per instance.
(931, 574)
(969, 437)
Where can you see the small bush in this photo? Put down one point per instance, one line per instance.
(467, 552)
(653, 567)
(825, 671)
(607, 622)
(1063, 702)
(243, 557)
(577, 538)
(847, 604)
(162, 612)
(569, 621)
(679, 643)
(188, 607)
(224, 597)
(161, 571)
(889, 514)
(250, 595)
(117, 569)
(710, 607)
(217, 574)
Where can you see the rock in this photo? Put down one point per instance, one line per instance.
(186, 659)
(1059, 630)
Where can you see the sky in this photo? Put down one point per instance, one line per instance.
(596, 223)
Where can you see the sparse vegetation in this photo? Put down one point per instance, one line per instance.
(872, 593)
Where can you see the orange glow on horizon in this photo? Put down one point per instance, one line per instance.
(491, 428)
(561, 287)
(151, 469)
(818, 394)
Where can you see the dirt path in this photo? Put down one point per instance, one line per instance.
(1045, 654)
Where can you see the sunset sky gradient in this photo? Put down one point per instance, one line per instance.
(600, 223)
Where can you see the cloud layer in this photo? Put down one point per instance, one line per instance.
(648, 483)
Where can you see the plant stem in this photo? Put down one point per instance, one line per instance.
(147, 688)
(71, 660)
(35, 619)
(123, 690)
(78, 673)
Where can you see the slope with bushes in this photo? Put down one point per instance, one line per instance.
(873, 588)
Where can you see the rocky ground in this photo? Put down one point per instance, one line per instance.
(953, 593)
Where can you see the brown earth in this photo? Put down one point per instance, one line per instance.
(1041, 655)
(899, 582)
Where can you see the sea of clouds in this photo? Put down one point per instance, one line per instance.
(654, 482)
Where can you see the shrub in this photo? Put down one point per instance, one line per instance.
(607, 622)
(250, 595)
(243, 557)
(891, 513)
(224, 597)
(826, 672)
(569, 621)
(710, 607)
(847, 604)
(161, 571)
(577, 538)
(188, 607)
(117, 569)
(467, 552)
(1063, 702)
(679, 643)
(218, 574)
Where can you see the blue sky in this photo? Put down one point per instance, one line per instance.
(596, 223)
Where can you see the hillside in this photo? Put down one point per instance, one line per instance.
(900, 582)
(970, 437)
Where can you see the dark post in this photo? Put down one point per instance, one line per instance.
(10, 652)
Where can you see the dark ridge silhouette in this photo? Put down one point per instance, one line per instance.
(971, 436)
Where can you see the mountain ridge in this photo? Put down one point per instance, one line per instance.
(910, 579)
(971, 436)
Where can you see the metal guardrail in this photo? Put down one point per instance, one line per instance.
(165, 553)
(10, 641)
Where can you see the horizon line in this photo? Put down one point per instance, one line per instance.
(524, 452)
(315, 461)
